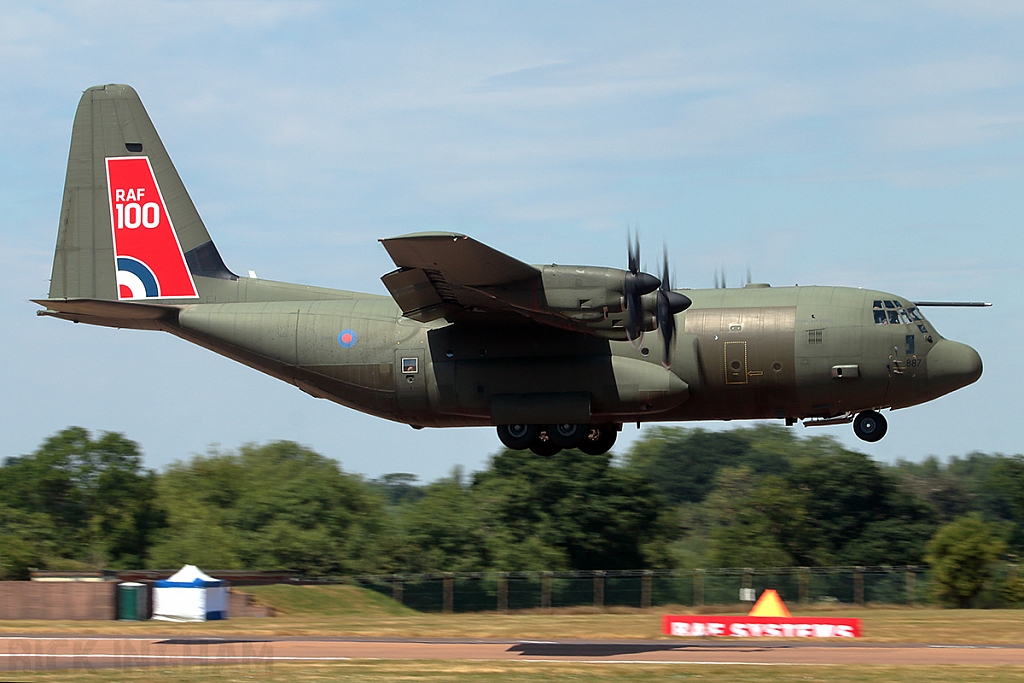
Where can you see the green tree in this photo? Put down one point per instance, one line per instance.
(95, 492)
(592, 513)
(26, 542)
(930, 481)
(399, 488)
(276, 506)
(860, 513)
(683, 463)
(445, 529)
(961, 555)
(753, 520)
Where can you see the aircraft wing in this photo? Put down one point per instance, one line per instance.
(461, 259)
(452, 276)
(447, 275)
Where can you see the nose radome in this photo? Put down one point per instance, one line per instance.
(953, 365)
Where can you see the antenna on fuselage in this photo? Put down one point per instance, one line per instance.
(967, 304)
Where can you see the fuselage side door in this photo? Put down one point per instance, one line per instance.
(736, 362)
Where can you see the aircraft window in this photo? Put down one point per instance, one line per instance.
(895, 313)
(910, 345)
(924, 330)
(815, 336)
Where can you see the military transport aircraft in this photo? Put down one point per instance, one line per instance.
(554, 356)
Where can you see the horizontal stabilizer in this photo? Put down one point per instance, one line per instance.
(107, 313)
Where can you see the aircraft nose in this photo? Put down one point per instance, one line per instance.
(952, 365)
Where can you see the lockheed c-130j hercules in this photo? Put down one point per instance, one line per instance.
(553, 356)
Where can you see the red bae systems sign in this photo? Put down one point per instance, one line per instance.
(768, 618)
(150, 264)
(760, 627)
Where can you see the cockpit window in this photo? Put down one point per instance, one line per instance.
(895, 312)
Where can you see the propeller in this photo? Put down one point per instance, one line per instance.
(634, 285)
(669, 303)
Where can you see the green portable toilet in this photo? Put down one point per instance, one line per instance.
(131, 601)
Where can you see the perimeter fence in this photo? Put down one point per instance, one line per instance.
(504, 591)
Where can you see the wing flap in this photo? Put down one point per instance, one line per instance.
(415, 294)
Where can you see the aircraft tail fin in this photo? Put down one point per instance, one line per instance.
(128, 229)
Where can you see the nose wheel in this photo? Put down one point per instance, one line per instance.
(869, 426)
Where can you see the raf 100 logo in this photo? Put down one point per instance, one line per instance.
(132, 212)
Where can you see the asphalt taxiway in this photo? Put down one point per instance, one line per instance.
(33, 652)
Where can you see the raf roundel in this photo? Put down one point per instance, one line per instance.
(347, 338)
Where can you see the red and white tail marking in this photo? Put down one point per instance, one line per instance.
(149, 260)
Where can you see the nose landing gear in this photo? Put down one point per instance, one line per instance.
(869, 426)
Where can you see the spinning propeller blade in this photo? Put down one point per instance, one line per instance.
(669, 303)
(635, 284)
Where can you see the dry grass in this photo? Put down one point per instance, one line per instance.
(352, 611)
(887, 625)
(527, 672)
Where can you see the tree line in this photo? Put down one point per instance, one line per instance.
(680, 498)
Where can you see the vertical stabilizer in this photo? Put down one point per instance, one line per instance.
(128, 229)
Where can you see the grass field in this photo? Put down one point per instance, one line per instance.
(347, 610)
(528, 672)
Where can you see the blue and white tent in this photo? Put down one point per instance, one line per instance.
(190, 595)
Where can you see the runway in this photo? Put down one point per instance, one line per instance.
(32, 652)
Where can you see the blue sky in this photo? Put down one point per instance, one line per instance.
(845, 143)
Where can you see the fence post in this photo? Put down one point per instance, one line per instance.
(502, 591)
(698, 588)
(599, 589)
(396, 588)
(645, 589)
(858, 585)
(448, 590)
(805, 585)
(545, 590)
(911, 584)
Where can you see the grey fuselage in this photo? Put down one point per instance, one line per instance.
(754, 352)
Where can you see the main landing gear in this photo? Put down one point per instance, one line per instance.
(550, 439)
(869, 426)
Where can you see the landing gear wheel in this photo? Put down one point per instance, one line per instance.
(870, 426)
(567, 435)
(544, 445)
(600, 440)
(518, 437)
